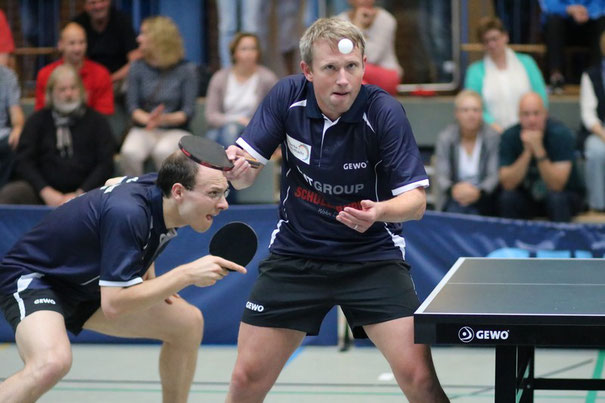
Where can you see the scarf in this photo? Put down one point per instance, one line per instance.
(62, 124)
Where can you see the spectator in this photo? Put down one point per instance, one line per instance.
(161, 95)
(288, 31)
(435, 33)
(11, 121)
(7, 44)
(378, 27)
(502, 77)
(66, 148)
(235, 16)
(95, 77)
(112, 41)
(537, 166)
(235, 92)
(467, 160)
(592, 107)
(571, 21)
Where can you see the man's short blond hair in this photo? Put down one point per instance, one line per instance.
(331, 30)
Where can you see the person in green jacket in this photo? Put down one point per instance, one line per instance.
(502, 77)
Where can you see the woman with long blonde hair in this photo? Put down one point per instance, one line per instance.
(161, 95)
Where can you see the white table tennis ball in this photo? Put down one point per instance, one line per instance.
(345, 46)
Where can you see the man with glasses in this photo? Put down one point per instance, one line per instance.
(89, 265)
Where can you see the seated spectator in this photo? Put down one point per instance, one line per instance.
(592, 107)
(235, 92)
(538, 172)
(578, 22)
(502, 77)
(467, 160)
(161, 95)
(7, 44)
(65, 149)
(112, 41)
(11, 121)
(378, 27)
(96, 78)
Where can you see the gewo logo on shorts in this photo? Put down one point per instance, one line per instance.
(254, 307)
(45, 301)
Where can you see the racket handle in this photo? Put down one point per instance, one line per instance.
(253, 163)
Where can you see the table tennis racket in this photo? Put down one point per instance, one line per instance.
(209, 153)
(235, 241)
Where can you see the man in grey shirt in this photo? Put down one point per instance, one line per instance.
(11, 121)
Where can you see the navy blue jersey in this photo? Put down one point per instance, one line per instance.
(368, 153)
(106, 237)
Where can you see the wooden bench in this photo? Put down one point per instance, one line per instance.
(536, 48)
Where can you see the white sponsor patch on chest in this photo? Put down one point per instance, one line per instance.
(299, 149)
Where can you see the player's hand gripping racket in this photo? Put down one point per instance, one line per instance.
(236, 241)
(209, 153)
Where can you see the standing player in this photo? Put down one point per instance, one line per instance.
(89, 264)
(352, 174)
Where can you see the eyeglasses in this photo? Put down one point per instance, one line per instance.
(217, 195)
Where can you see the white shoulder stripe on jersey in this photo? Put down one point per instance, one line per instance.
(242, 143)
(365, 118)
(299, 103)
(105, 283)
(423, 183)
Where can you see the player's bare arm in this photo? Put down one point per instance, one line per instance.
(203, 272)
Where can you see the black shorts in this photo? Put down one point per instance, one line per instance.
(75, 313)
(296, 293)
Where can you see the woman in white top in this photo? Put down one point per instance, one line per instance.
(502, 76)
(235, 92)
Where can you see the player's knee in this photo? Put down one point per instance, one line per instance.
(52, 368)
(241, 379)
(418, 380)
(190, 325)
(246, 379)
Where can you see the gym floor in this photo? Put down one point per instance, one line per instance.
(128, 373)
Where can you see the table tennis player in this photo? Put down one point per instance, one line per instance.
(89, 265)
(352, 173)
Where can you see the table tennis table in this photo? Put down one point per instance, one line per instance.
(516, 305)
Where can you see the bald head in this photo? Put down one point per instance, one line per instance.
(532, 113)
(72, 44)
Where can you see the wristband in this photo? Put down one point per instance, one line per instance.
(542, 158)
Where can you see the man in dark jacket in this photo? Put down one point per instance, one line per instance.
(65, 149)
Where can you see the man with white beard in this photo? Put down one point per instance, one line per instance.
(65, 149)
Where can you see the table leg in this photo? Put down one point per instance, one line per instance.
(514, 373)
(525, 373)
(506, 374)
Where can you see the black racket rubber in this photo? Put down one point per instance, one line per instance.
(236, 242)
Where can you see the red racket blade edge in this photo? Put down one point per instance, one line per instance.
(209, 153)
